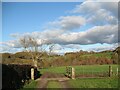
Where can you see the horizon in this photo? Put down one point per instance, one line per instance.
(72, 26)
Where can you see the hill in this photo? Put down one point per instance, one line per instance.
(73, 58)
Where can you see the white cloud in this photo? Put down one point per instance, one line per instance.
(102, 17)
(69, 22)
(87, 7)
(11, 44)
(97, 34)
(73, 46)
(102, 14)
(111, 6)
(103, 48)
(98, 13)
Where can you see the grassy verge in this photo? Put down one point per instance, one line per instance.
(53, 84)
(94, 83)
(32, 85)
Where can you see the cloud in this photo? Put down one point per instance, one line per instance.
(69, 22)
(11, 44)
(103, 48)
(86, 7)
(98, 13)
(72, 46)
(15, 35)
(97, 34)
(112, 7)
(102, 16)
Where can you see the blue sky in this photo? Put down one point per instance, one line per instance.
(29, 17)
(73, 26)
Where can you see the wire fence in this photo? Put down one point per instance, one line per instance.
(92, 72)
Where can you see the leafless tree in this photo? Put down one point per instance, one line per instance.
(51, 48)
(31, 46)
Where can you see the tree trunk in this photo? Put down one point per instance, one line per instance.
(35, 63)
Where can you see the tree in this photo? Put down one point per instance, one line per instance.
(30, 44)
(51, 47)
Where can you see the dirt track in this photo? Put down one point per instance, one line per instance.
(48, 76)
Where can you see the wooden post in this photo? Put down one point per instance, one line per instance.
(67, 71)
(117, 72)
(73, 73)
(110, 71)
(35, 63)
(32, 73)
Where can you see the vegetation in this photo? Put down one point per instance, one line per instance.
(53, 84)
(82, 69)
(74, 58)
(84, 63)
(106, 82)
(32, 85)
(15, 76)
(94, 83)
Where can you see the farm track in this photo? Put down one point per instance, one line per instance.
(48, 76)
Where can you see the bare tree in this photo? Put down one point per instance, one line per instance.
(31, 46)
(51, 48)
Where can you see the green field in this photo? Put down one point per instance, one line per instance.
(81, 83)
(53, 84)
(106, 82)
(82, 69)
(98, 55)
(94, 83)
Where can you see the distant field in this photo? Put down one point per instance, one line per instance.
(105, 54)
(82, 69)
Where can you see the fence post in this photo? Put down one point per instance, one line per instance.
(32, 73)
(117, 72)
(66, 71)
(69, 71)
(73, 73)
(110, 71)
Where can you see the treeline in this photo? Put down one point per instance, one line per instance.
(73, 58)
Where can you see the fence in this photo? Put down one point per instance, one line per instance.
(98, 71)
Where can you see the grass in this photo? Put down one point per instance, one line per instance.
(82, 82)
(94, 83)
(105, 54)
(32, 85)
(94, 69)
(53, 70)
(82, 69)
(53, 84)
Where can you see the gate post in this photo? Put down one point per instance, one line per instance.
(73, 73)
(117, 71)
(32, 73)
(110, 71)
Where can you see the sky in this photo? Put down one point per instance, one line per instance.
(71, 26)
